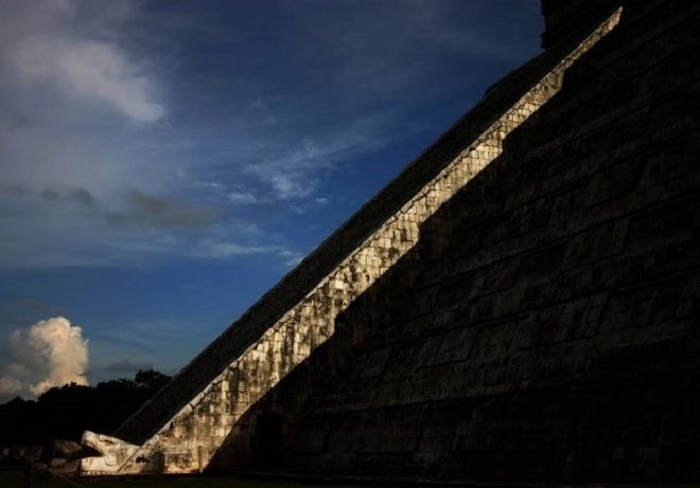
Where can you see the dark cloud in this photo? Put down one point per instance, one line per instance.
(78, 196)
(144, 209)
(16, 190)
(138, 208)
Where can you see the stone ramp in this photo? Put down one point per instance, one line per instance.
(184, 425)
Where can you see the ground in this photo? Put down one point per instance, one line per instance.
(15, 479)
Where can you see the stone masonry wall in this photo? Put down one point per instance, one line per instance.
(545, 327)
(187, 440)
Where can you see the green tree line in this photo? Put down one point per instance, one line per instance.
(65, 412)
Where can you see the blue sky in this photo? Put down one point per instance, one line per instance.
(164, 163)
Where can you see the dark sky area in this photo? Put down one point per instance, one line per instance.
(164, 163)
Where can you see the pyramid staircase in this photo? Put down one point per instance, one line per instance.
(544, 330)
(181, 429)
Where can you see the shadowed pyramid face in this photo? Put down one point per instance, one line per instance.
(564, 17)
(212, 401)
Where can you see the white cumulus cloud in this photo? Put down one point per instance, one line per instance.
(49, 353)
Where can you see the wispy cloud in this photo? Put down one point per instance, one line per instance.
(71, 90)
(96, 71)
(122, 141)
(296, 170)
(138, 228)
(135, 209)
(144, 209)
(220, 249)
(242, 197)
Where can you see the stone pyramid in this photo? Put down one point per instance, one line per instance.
(516, 305)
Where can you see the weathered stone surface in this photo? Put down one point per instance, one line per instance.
(544, 328)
